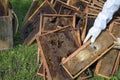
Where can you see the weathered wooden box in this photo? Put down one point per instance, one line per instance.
(6, 32)
(31, 26)
(85, 56)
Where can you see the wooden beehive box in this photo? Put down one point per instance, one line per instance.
(31, 26)
(6, 32)
(82, 59)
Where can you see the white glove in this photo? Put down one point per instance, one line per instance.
(117, 44)
(93, 33)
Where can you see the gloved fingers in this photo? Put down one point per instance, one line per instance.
(93, 38)
(117, 44)
(87, 37)
(117, 47)
(118, 39)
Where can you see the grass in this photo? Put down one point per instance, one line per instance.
(20, 62)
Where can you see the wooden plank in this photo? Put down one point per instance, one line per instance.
(6, 32)
(85, 56)
(31, 27)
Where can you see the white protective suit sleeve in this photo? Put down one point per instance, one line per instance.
(104, 17)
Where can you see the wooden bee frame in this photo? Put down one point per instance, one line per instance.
(34, 5)
(54, 21)
(97, 3)
(93, 10)
(53, 1)
(80, 25)
(6, 31)
(107, 64)
(31, 27)
(87, 1)
(55, 45)
(68, 10)
(82, 6)
(41, 71)
(44, 67)
(84, 76)
(87, 54)
(115, 28)
(57, 5)
(90, 21)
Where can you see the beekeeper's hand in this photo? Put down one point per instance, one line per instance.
(99, 25)
(93, 33)
(117, 44)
